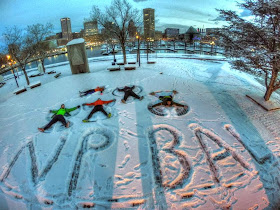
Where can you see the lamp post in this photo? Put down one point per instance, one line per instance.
(147, 50)
(212, 44)
(138, 50)
(10, 63)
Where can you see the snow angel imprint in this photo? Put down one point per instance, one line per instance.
(166, 106)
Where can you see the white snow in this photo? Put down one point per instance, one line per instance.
(224, 153)
(76, 41)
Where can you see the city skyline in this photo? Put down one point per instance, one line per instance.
(180, 14)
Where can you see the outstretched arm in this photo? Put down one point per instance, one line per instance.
(158, 104)
(180, 105)
(91, 104)
(53, 111)
(107, 102)
(71, 109)
(174, 92)
(155, 94)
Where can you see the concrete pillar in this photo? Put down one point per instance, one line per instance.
(77, 56)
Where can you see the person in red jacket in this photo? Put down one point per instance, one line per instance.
(90, 91)
(98, 106)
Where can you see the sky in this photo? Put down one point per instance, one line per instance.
(168, 13)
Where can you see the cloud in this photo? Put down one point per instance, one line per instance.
(246, 13)
(219, 18)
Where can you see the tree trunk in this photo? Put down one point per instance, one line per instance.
(114, 53)
(26, 77)
(124, 53)
(268, 93)
(269, 89)
(147, 52)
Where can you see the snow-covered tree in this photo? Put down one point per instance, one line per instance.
(119, 14)
(20, 47)
(38, 33)
(254, 44)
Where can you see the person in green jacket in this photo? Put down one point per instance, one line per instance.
(59, 116)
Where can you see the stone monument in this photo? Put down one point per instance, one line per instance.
(40, 68)
(77, 56)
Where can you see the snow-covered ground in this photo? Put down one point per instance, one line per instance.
(224, 153)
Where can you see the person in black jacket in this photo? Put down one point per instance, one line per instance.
(128, 91)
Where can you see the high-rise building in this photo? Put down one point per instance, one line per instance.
(76, 35)
(132, 29)
(66, 28)
(90, 28)
(149, 24)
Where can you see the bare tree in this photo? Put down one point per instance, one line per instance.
(118, 14)
(254, 45)
(110, 38)
(20, 47)
(38, 33)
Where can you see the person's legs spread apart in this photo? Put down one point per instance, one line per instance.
(101, 109)
(95, 109)
(53, 121)
(126, 94)
(134, 95)
(62, 120)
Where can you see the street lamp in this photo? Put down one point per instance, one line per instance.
(212, 44)
(10, 63)
(138, 50)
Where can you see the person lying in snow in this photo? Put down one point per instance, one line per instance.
(128, 91)
(167, 100)
(98, 106)
(90, 91)
(59, 116)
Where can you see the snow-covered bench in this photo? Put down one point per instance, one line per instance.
(120, 63)
(271, 105)
(129, 67)
(151, 62)
(36, 75)
(2, 83)
(51, 72)
(131, 62)
(114, 68)
(20, 90)
(34, 84)
(57, 75)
